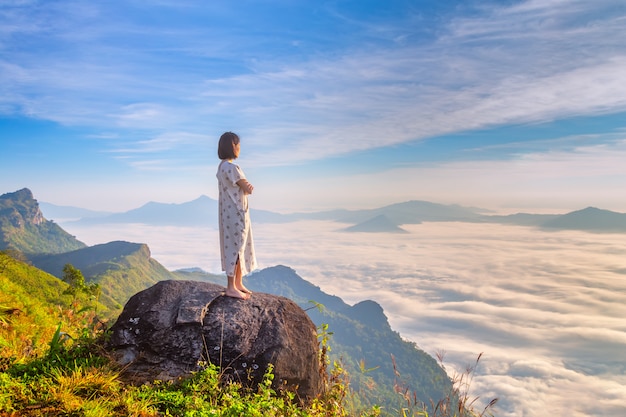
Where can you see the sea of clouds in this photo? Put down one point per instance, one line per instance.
(546, 309)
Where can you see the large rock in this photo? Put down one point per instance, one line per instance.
(170, 329)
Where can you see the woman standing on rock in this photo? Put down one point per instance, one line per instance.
(236, 245)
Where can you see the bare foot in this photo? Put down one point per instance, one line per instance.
(235, 293)
(244, 290)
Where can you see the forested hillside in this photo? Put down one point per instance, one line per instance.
(33, 304)
(52, 326)
(377, 359)
(120, 268)
(23, 227)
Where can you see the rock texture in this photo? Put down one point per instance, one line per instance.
(169, 329)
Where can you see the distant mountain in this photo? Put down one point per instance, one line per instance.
(66, 213)
(521, 219)
(121, 268)
(410, 212)
(589, 219)
(199, 212)
(362, 335)
(379, 224)
(202, 212)
(24, 228)
(362, 338)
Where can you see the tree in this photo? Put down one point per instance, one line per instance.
(76, 281)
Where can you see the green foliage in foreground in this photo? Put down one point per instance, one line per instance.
(52, 364)
(384, 370)
(83, 386)
(33, 304)
(77, 379)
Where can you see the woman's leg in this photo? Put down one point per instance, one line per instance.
(239, 279)
(234, 290)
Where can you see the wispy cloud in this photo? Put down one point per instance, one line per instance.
(304, 101)
(573, 172)
(527, 62)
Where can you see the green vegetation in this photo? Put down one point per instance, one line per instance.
(121, 269)
(54, 316)
(53, 364)
(76, 281)
(33, 304)
(23, 227)
(127, 275)
(382, 369)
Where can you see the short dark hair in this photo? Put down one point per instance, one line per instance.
(225, 148)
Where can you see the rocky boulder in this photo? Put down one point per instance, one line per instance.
(170, 329)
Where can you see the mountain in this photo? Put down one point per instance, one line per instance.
(410, 212)
(521, 219)
(377, 357)
(199, 212)
(66, 213)
(379, 224)
(589, 219)
(24, 228)
(33, 304)
(121, 268)
(362, 338)
(203, 212)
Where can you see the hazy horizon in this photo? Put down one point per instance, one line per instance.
(505, 209)
(545, 308)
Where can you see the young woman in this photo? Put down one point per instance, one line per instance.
(236, 245)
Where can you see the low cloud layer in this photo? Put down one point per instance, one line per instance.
(545, 309)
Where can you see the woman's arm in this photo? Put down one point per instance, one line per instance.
(245, 186)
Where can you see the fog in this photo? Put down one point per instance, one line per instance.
(546, 309)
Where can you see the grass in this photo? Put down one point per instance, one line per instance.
(75, 378)
(52, 363)
(458, 403)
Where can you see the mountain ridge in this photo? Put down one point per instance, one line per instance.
(362, 334)
(24, 228)
(120, 268)
(69, 213)
(378, 224)
(589, 219)
(203, 212)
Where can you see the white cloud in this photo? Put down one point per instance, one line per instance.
(164, 96)
(463, 81)
(530, 61)
(545, 309)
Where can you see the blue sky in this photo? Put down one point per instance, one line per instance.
(501, 104)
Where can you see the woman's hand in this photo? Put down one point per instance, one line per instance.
(245, 186)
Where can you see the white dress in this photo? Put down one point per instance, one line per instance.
(234, 220)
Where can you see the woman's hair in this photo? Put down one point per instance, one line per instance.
(225, 148)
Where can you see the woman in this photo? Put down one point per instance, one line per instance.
(236, 245)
